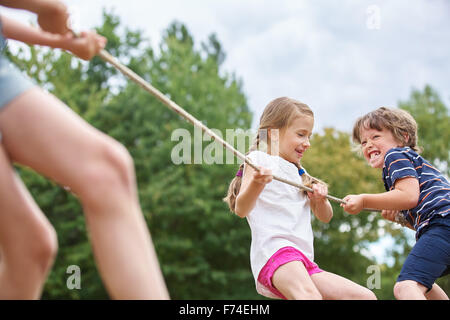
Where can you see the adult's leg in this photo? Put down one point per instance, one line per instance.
(293, 281)
(39, 131)
(334, 287)
(28, 242)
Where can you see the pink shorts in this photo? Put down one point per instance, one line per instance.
(283, 256)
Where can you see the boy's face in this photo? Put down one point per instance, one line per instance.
(375, 144)
(294, 140)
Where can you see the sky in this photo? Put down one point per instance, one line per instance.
(342, 58)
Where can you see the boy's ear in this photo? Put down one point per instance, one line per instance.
(406, 137)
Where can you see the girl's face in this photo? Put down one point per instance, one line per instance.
(294, 140)
(375, 144)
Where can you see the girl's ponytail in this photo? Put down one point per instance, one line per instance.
(308, 180)
(235, 185)
(233, 189)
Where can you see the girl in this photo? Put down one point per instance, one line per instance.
(40, 132)
(388, 138)
(281, 253)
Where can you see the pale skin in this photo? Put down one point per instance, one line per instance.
(292, 279)
(42, 133)
(405, 195)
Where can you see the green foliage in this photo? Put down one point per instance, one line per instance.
(433, 119)
(182, 203)
(203, 249)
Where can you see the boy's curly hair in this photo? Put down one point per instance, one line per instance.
(399, 122)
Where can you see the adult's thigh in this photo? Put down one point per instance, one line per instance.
(41, 132)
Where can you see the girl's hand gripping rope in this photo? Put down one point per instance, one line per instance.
(320, 192)
(263, 176)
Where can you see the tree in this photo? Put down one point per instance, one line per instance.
(199, 243)
(432, 117)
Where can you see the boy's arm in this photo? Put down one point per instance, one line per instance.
(405, 196)
(253, 183)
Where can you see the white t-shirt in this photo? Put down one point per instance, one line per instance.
(281, 217)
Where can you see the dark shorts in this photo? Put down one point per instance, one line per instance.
(429, 259)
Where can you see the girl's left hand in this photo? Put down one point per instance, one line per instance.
(320, 192)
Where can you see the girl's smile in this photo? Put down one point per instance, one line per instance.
(294, 140)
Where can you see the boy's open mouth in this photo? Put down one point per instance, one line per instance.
(374, 154)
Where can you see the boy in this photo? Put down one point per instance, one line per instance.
(388, 138)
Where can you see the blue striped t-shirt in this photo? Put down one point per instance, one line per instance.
(434, 196)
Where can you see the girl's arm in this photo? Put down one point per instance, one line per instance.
(85, 47)
(320, 205)
(405, 196)
(253, 183)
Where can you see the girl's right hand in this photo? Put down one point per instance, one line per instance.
(53, 16)
(263, 176)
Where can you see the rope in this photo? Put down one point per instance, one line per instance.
(175, 107)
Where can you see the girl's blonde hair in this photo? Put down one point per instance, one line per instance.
(278, 114)
(399, 122)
